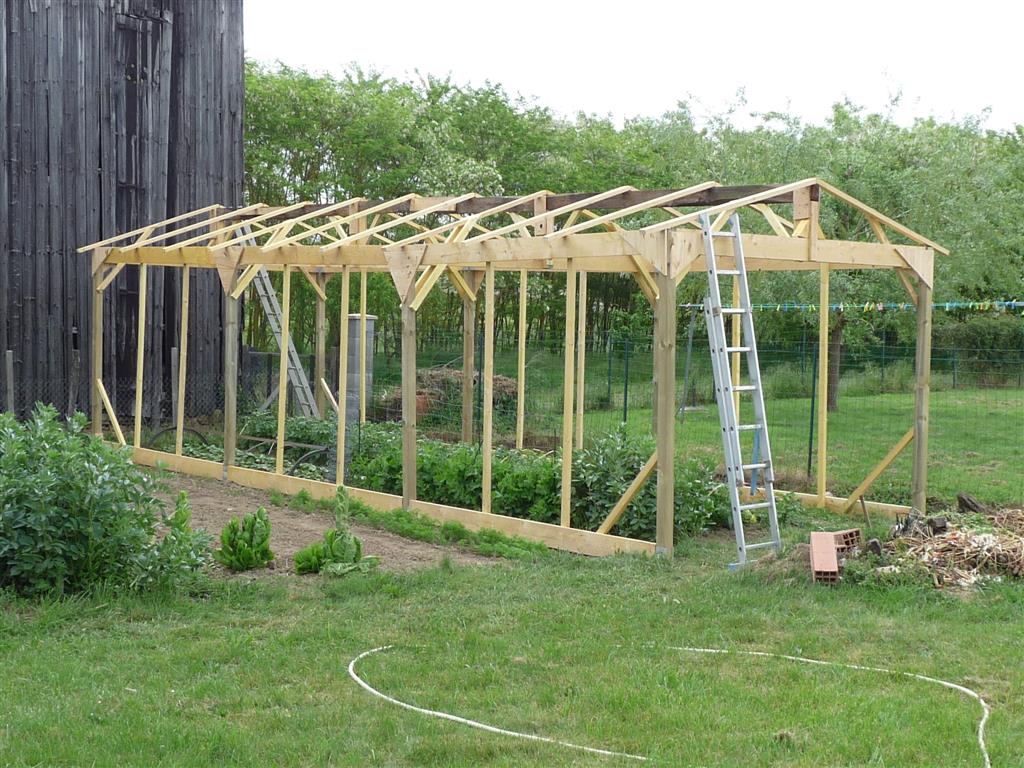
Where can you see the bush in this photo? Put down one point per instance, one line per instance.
(76, 514)
(339, 552)
(245, 544)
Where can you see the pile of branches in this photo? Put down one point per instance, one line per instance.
(980, 545)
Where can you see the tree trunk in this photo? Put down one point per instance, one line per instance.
(835, 348)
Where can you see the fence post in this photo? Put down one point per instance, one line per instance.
(9, 378)
(625, 380)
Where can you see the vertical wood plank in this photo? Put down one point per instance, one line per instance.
(922, 394)
(140, 356)
(823, 314)
(362, 346)
(96, 361)
(231, 312)
(179, 421)
(581, 358)
(320, 347)
(487, 427)
(521, 362)
(665, 351)
(468, 366)
(408, 404)
(567, 392)
(346, 280)
(282, 368)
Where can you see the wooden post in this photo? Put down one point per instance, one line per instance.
(521, 362)
(9, 379)
(487, 426)
(922, 391)
(282, 368)
(362, 346)
(346, 281)
(230, 380)
(408, 403)
(581, 358)
(823, 312)
(140, 357)
(179, 422)
(665, 352)
(468, 366)
(567, 392)
(95, 402)
(320, 346)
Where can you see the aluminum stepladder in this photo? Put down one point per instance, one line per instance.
(721, 354)
(296, 373)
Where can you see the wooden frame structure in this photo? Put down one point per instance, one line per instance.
(466, 239)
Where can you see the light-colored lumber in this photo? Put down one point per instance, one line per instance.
(231, 341)
(112, 273)
(567, 394)
(391, 223)
(468, 366)
(487, 425)
(823, 314)
(148, 227)
(665, 433)
(328, 395)
(878, 469)
(232, 215)
(581, 358)
(521, 361)
(363, 275)
(282, 230)
(629, 495)
(217, 234)
(431, 276)
(408, 405)
(96, 355)
(922, 393)
(184, 464)
(313, 283)
(110, 411)
(140, 356)
(342, 405)
(244, 279)
(282, 368)
(550, 215)
(657, 202)
(320, 340)
(179, 420)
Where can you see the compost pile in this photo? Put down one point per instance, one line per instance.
(974, 546)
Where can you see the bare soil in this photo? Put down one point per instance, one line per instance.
(214, 503)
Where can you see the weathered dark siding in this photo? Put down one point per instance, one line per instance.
(113, 114)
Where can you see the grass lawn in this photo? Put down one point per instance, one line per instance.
(253, 672)
(976, 442)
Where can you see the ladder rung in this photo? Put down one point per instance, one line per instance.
(728, 271)
(758, 465)
(760, 545)
(722, 234)
(748, 427)
(756, 505)
(737, 349)
(744, 388)
(733, 311)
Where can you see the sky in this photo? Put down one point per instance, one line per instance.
(629, 59)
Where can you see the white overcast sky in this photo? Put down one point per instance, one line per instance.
(639, 58)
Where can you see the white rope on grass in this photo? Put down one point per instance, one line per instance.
(985, 711)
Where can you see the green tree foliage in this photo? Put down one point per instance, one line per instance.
(321, 138)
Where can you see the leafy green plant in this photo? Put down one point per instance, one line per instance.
(76, 514)
(303, 501)
(278, 498)
(339, 552)
(245, 543)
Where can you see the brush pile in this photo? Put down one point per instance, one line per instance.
(974, 546)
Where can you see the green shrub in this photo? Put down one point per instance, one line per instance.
(245, 543)
(76, 514)
(339, 552)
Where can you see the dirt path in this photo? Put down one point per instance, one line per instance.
(214, 503)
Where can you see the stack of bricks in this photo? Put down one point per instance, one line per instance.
(826, 549)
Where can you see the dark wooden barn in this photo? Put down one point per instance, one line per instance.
(113, 114)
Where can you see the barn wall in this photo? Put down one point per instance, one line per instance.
(113, 113)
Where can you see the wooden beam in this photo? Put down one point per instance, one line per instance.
(567, 394)
(112, 273)
(312, 280)
(231, 340)
(243, 281)
(282, 369)
(627, 497)
(665, 434)
(229, 216)
(363, 275)
(549, 215)
(431, 276)
(521, 361)
(468, 366)
(879, 468)
(320, 338)
(148, 228)
(179, 421)
(408, 404)
(487, 426)
(922, 393)
(342, 405)
(823, 313)
(140, 357)
(905, 277)
(110, 411)
(96, 362)
(328, 395)
(668, 198)
(581, 358)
